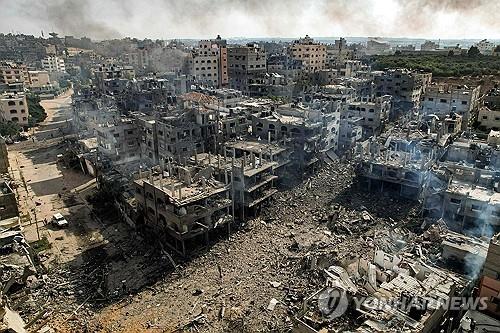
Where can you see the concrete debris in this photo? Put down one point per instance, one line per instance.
(272, 304)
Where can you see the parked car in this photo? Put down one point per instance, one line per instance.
(59, 220)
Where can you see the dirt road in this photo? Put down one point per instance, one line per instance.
(45, 187)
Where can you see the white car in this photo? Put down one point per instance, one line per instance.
(59, 220)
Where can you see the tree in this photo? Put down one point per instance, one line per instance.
(37, 113)
(9, 128)
(473, 51)
(497, 49)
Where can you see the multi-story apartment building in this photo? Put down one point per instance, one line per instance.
(13, 72)
(403, 85)
(442, 99)
(119, 141)
(223, 69)
(53, 64)
(311, 53)
(373, 112)
(488, 119)
(13, 107)
(247, 65)
(205, 63)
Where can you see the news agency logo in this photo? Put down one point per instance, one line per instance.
(334, 302)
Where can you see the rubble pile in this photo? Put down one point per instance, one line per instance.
(258, 279)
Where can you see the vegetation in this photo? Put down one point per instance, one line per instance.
(36, 111)
(9, 129)
(64, 84)
(473, 52)
(41, 245)
(442, 65)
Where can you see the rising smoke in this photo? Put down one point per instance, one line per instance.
(206, 18)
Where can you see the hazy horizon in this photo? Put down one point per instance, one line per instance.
(199, 19)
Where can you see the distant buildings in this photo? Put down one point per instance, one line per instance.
(53, 64)
(311, 53)
(429, 46)
(376, 46)
(485, 47)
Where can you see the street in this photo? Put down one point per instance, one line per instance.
(46, 187)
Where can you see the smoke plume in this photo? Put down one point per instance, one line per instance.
(255, 18)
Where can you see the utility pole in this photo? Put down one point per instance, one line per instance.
(36, 223)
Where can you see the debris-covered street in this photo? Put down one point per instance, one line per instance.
(229, 287)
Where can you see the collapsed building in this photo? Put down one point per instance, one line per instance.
(397, 166)
(208, 191)
(309, 131)
(463, 189)
(410, 290)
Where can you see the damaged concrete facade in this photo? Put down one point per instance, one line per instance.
(183, 203)
(443, 99)
(405, 86)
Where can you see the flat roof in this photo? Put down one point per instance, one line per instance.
(189, 192)
(255, 146)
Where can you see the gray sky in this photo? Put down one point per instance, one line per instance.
(100, 19)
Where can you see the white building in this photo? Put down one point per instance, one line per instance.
(489, 119)
(440, 99)
(205, 63)
(13, 107)
(485, 47)
(53, 64)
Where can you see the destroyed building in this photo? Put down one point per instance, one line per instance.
(397, 167)
(406, 291)
(405, 86)
(119, 141)
(443, 99)
(490, 278)
(246, 66)
(374, 113)
(462, 189)
(8, 201)
(91, 111)
(309, 131)
(182, 205)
